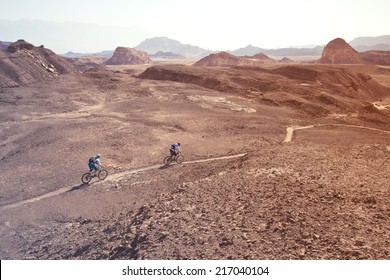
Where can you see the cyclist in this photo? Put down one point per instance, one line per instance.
(175, 149)
(94, 164)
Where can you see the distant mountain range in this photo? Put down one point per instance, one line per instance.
(166, 45)
(107, 54)
(163, 44)
(163, 47)
(251, 50)
(154, 46)
(80, 34)
(379, 43)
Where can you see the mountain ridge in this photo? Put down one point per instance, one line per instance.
(177, 49)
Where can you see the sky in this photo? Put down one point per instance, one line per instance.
(209, 24)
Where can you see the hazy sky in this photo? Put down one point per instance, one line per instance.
(216, 24)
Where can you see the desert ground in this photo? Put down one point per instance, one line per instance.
(281, 162)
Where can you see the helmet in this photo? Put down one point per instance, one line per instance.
(98, 155)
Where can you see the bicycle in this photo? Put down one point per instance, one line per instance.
(174, 157)
(101, 174)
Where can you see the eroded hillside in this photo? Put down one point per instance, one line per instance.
(21, 63)
(312, 89)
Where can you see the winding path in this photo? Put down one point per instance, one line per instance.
(111, 178)
(291, 129)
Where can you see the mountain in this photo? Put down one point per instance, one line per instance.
(380, 43)
(164, 44)
(338, 51)
(248, 50)
(252, 50)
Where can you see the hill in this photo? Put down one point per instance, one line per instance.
(338, 51)
(128, 56)
(223, 59)
(22, 63)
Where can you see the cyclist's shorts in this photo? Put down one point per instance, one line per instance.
(92, 166)
(172, 152)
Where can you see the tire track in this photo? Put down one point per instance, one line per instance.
(111, 178)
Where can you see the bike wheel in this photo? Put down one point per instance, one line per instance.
(167, 160)
(86, 178)
(179, 159)
(102, 174)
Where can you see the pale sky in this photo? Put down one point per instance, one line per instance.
(212, 24)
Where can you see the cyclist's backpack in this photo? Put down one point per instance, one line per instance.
(91, 160)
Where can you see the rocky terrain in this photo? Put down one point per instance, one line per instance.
(281, 162)
(225, 59)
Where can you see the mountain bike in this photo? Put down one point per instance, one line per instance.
(101, 174)
(178, 158)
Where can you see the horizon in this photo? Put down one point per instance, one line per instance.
(214, 25)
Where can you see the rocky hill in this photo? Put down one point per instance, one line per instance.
(23, 63)
(128, 56)
(338, 51)
(226, 59)
(222, 59)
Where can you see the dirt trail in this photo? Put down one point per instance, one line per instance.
(290, 130)
(111, 178)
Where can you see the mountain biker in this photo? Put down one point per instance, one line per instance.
(175, 149)
(94, 164)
